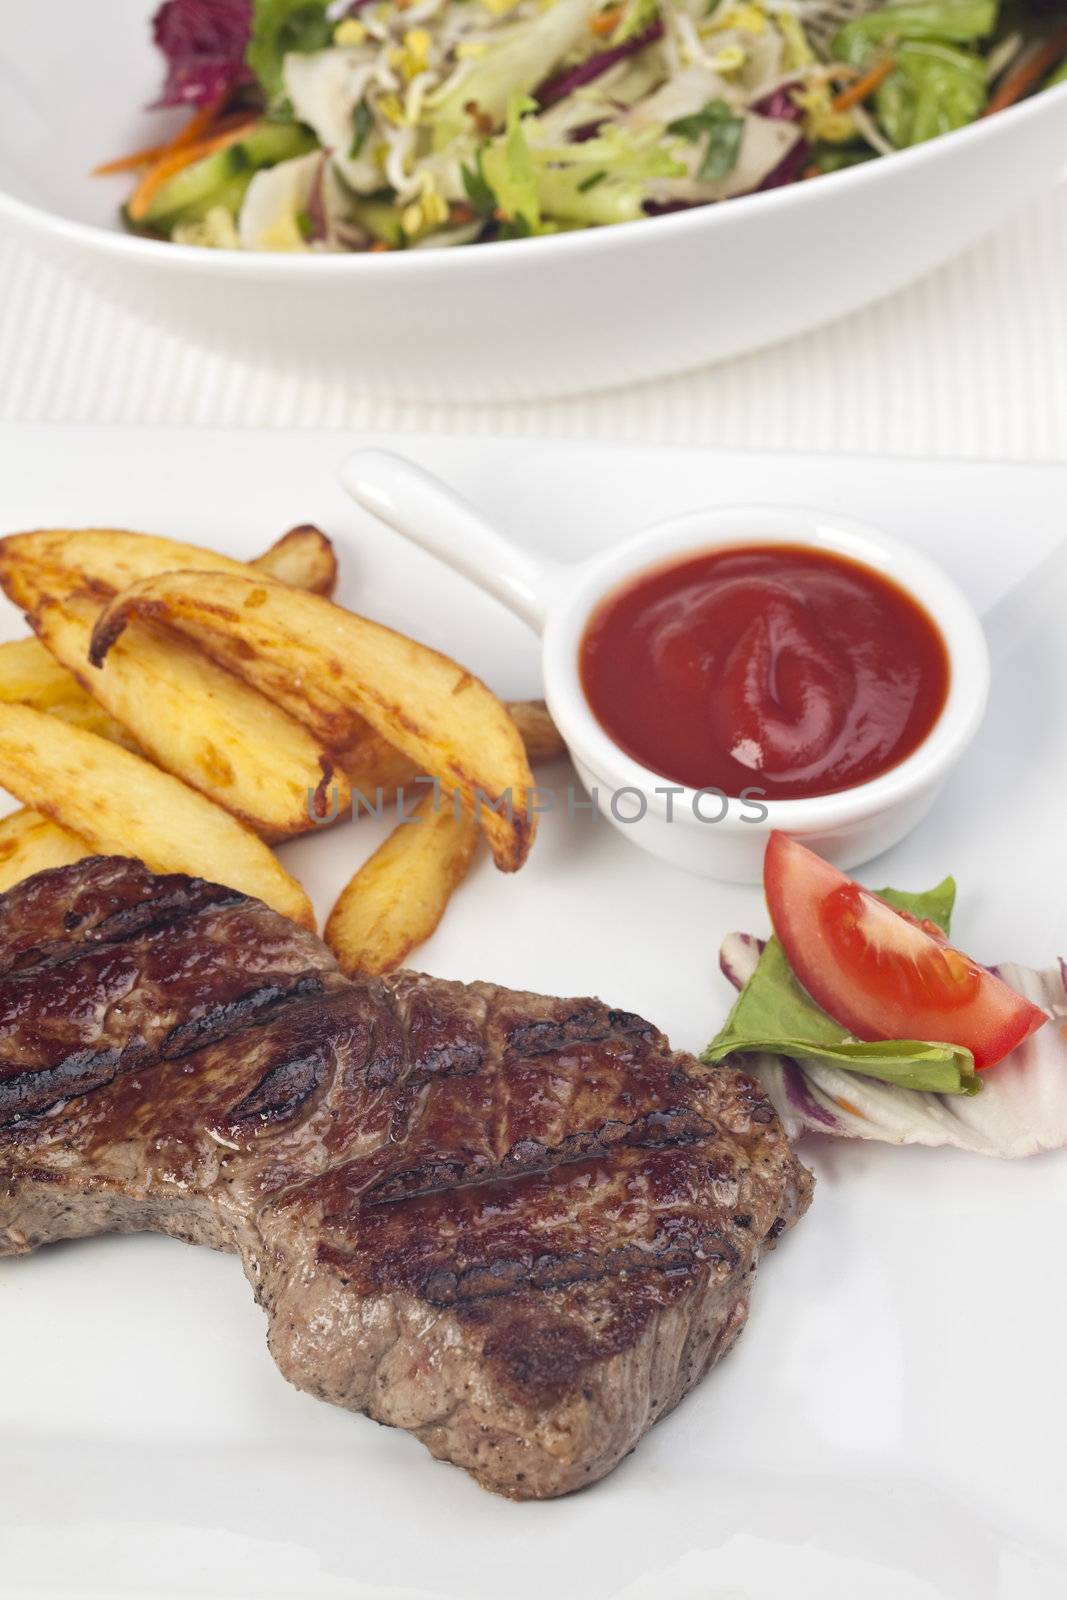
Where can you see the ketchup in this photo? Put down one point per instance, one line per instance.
(774, 668)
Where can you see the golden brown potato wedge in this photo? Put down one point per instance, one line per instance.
(30, 843)
(373, 766)
(85, 713)
(97, 560)
(196, 720)
(30, 675)
(542, 738)
(104, 560)
(303, 558)
(122, 805)
(321, 663)
(399, 895)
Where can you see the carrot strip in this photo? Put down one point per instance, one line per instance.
(864, 86)
(192, 132)
(156, 176)
(1030, 71)
(606, 22)
(130, 163)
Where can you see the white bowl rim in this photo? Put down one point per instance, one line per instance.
(716, 527)
(265, 266)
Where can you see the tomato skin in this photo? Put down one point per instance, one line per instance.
(881, 973)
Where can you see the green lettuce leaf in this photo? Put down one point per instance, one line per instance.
(601, 180)
(933, 905)
(507, 167)
(946, 21)
(773, 1014)
(933, 89)
(281, 26)
(937, 84)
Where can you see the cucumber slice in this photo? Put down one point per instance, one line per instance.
(229, 194)
(382, 219)
(212, 180)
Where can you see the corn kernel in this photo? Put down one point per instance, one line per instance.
(349, 32)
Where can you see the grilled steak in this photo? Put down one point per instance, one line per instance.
(521, 1228)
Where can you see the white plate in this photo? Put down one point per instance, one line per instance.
(891, 1424)
(530, 317)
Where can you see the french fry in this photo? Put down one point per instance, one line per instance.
(372, 764)
(303, 558)
(85, 713)
(322, 663)
(102, 561)
(197, 721)
(28, 674)
(31, 843)
(399, 895)
(542, 738)
(122, 805)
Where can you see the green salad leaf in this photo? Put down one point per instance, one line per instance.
(937, 84)
(723, 128)
(933, 89)
(362, 123)
(281, 26)
(932, 905)
(508, 168)
(946, 21)
(775, 1015)
(600, 180)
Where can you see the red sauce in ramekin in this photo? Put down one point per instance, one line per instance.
(779, 668)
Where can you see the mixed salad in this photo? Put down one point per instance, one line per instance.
(861, 1019)
(371, 125)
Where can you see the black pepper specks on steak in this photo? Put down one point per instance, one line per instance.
(522, 1228)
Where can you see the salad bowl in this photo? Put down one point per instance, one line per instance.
(523, 317)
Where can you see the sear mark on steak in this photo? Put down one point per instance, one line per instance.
(522, 1228)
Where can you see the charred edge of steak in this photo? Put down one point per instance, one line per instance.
(35, 1091)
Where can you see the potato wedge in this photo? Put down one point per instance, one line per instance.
(196, 720)
(373, 766)
(31, 843)
(30, 675)
(303, 558)
(542, 738)
(122, 805)
(322, 663)
(105, 560)
(399, 895)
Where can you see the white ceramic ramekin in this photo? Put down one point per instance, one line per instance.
(682, 825)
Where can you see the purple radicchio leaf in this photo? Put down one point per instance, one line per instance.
(564, 83)
(204, 43)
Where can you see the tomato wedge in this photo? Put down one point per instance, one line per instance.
(881, 973)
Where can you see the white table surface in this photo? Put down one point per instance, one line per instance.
(971, 362)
